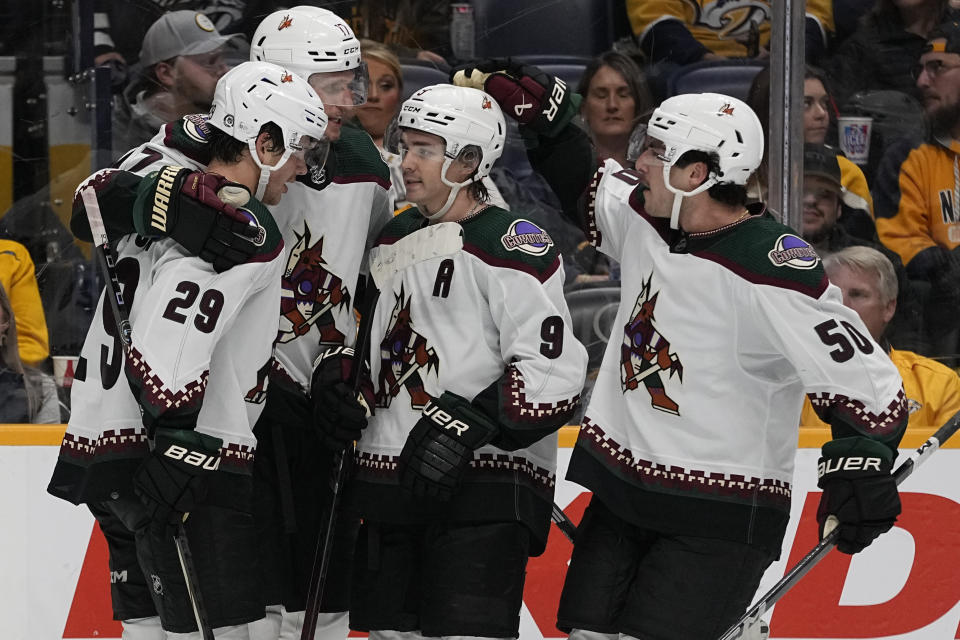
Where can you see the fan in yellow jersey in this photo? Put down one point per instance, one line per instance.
(869, 285)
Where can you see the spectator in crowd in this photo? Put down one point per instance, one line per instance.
(26, 394)
(823, 211)
(881, 52)
(18, 277)
(917, 189)
(846, 18)
(615, 98)
(819, 117)
(182, 59)
(384, 91)
(682, 32)
(120, 25)
(869, 285)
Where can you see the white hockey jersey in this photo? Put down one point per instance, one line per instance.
(486, 320)
(199, 342)
(328, 219)
(692, 424)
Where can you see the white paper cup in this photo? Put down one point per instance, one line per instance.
(855, 137)
(63, 370)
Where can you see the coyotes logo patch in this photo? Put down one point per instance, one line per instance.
(404, 356)
(645, 353)
(310, 293)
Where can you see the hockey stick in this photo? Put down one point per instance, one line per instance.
(385, 263)
(793, 576)
(321, 558)
(564, 523)
(121, 316)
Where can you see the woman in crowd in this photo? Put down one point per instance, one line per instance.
(819, 118)
(27, 394)
(615, 99)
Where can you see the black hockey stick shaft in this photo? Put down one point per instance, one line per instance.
(321, 560)
(121, 315)
(796, 573)
(563, 522)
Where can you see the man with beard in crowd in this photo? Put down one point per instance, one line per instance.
(918, 190)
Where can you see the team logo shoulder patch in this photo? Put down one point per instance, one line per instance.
(252, 220)
(527, 237)
(196, 128)
(793, 251)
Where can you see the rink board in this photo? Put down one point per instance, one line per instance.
(55, 582)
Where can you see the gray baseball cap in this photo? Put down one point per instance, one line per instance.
(180, 33)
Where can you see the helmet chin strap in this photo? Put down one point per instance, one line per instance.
(265, 169)
(679, 195)
(454, 190)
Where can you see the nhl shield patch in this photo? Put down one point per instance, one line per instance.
(527, 237)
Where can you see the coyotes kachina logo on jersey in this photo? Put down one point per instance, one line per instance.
(645, 353)
(404, 356)
(310, 294)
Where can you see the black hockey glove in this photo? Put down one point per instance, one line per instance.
(339, 412)
(172, 480)
(859, 493)
(199, 211)
(440, 446)
(529, 95)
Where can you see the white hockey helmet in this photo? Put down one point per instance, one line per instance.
(255, 93)
(717, 124)
(468, 120)
(308, 40)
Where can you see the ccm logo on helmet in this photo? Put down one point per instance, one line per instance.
(444, 419)
(556, 97)
(852, 463)
(193, 458)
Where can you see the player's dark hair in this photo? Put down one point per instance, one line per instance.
(228, 149)
(733, 195)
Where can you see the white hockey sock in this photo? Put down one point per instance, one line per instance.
(268, 627)
(142, 629)
(330, 626)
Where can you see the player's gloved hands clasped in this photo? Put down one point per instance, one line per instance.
(440, 446)
(339, 412)
(529, 95)
(189, 207)
(173, 479)
(859, 493)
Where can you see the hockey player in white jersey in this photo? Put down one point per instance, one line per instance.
(473, 369)
(199, 339)
(328, 220)
(726, 321)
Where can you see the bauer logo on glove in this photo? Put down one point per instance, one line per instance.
(195, 458)
(444, 419)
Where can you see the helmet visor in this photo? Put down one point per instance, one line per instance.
(346, 88)
(391, 137)
(316, 156)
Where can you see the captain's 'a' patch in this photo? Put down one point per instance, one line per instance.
(793, 251)
(527, 237)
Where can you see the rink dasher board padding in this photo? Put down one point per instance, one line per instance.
(907, 585)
